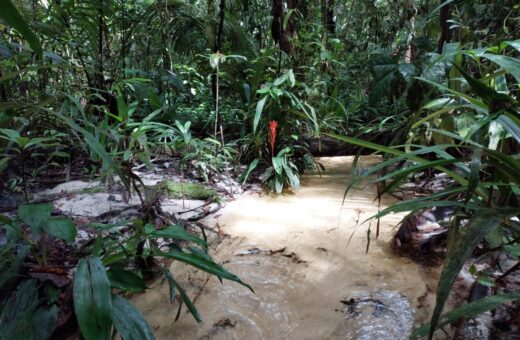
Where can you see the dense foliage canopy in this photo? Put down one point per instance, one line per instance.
(90, 88)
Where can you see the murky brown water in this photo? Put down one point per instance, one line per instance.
(298, 291)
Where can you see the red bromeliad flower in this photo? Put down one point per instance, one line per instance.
(273, 124)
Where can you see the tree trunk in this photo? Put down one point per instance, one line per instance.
(330, 23)
(444, 16)
(218, 43)
(327, 16)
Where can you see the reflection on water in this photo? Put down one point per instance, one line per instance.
(299, 290)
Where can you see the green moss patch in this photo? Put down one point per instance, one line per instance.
(189, 190)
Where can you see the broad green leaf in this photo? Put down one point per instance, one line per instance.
(280, 80)
(11, 134)
(17, 315)
(258, 113)
(514, 44)
(278, 163)
(126, 280)
(176, 232)
(44, 321)
(292, 177)
(278, 184)
(11, 16)
(35, 215)
(62, 228)
(512, 125)
(292, 79)
(92, 299)
(128, 321)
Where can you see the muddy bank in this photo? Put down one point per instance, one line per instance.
(294, 250)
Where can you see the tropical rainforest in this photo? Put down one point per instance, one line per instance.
(251, 93)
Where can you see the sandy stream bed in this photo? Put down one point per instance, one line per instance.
(298, 290)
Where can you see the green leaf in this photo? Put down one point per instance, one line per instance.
(92, 299)
(259, 108)
(176, 232)
(10, 269)
(278, 163)
(10, 15)
(252, 166)
(185, 298)
(280, 80)
(44, 321)
(468, 310)
(510, 64)
(392, 151)
(490, 96)
(203, 263)
(128, 321)
(514, 44)
(171, 283)
(17, 314)
(35, 215)
(62, 228)
(292, 79)
(11, 134)
(511, 124)
(512, 249)
(126, 280)
(461, 242)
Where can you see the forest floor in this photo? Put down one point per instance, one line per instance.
(305, 255)
(315, 262)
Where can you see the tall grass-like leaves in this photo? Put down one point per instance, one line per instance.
(461, 242)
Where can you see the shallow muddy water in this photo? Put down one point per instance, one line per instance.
(310, 282)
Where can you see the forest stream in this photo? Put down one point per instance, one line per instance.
(305, 256)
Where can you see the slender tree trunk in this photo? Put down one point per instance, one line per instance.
(444, 16)
(330, 23)
(100, 77)
(218, 43)
(3, 90)
(409, 53)
(220, 31)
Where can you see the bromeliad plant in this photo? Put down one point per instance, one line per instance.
(279, 99)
